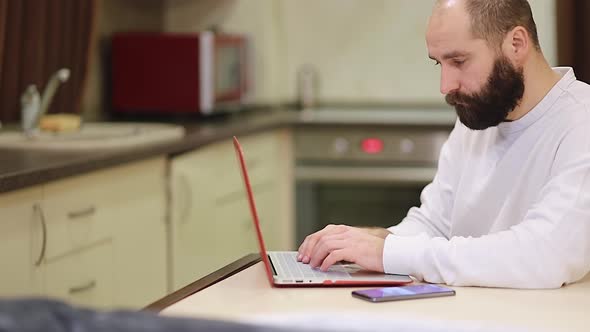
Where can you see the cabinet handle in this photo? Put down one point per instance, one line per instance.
(38, 210)
(83, 288)
(188, 193)
(82, 213)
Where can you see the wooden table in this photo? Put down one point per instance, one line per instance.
(241, 291)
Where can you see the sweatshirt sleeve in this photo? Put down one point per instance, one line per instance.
(434, 214)
(549, 248)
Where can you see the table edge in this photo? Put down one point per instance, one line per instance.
(209, 280)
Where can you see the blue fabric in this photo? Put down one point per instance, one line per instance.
(36, 315)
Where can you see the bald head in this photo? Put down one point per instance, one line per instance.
(443, 4)
(491, 20)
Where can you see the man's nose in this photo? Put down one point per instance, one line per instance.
(449, 81)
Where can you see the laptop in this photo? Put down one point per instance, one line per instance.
(283, 269)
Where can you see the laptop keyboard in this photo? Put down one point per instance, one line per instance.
(287, 266)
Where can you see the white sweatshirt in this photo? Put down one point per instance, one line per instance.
(509, 205)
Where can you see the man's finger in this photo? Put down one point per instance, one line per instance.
(334, 257)
(308, 246)
(325, 246)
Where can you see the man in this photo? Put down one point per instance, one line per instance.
(510, 203)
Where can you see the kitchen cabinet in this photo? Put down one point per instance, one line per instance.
(19, 251)
(97, 239)
(211, 224)
(125, 236)
(139, 212)
(85, 277)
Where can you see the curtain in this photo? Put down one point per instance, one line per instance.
(574, 36)
(3, 5)
(38, 37)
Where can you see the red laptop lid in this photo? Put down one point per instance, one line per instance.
(244, 171)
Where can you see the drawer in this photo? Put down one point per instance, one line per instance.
(82, 278)
(83, 210)
(74, 212)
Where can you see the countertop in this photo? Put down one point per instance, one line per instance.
(20, 169)
(227, 294)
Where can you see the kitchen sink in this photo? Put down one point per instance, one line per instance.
(93, 136)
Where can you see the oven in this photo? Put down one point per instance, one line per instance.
(362, 174)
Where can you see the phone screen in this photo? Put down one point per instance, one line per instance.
(403, 292)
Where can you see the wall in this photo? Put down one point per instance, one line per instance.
(367, 51)
(373, 51)
(260, 19)
(114, 15)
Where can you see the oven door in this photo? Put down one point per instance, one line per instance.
(362, 175)
(356, 196)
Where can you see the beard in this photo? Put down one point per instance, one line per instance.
(489, 107)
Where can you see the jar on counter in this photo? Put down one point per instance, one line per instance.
(307, 86)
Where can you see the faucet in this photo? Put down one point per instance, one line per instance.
(33, 106)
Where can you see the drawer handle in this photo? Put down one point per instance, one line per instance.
(82, 213)
(37, 208)
(83, 288)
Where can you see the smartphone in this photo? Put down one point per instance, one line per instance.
(403, 292)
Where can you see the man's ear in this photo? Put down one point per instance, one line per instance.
(517, 44)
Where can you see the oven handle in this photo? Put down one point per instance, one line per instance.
(339, 174)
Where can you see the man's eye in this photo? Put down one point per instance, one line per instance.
(458, 62)
(436, 63)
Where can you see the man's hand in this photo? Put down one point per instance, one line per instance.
(378, 231)
(337, 243)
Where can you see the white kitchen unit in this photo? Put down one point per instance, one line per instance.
(96, 239)
(211, 224)
(19, 251)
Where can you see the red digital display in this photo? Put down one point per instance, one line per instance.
(372, 145)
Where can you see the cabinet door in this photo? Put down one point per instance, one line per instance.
(270, 218)
(273, 190)
(278, 203)
(211, 223)
(138, 213)
(272, 186)
(83, 278)
(124, 206)
(21, 242)
(193, 183)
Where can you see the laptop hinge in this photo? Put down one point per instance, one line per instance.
(274, 272)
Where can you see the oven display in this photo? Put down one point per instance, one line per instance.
(372, 145)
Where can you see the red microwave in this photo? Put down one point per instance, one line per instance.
(161, 73)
